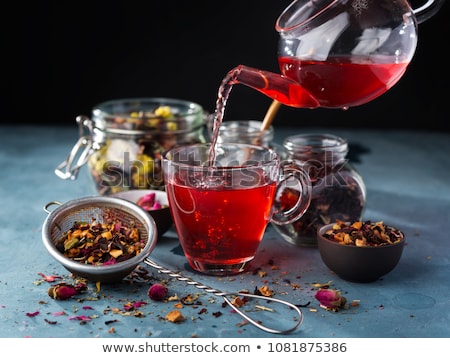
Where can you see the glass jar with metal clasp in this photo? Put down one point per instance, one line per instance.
(123, 142)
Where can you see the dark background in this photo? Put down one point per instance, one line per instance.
(67, 56)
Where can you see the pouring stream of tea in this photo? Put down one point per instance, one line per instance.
(293, 95)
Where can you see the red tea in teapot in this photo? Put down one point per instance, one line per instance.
(342, 81)
(336, 53)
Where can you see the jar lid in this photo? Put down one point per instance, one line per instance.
(144, 115)
(313, 142)
(244, 130)
(313, 145)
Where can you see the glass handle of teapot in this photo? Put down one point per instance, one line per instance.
(427, 10)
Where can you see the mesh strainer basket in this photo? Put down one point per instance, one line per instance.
(102, 210)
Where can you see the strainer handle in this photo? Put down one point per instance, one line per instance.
(224, 295)
(48, 205)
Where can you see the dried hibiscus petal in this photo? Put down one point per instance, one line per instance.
(32, 314)
(80, 318)
(48, 278)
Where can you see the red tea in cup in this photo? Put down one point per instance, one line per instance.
(222, 209)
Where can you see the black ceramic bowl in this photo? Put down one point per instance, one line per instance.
(162, 216)
(358, 263)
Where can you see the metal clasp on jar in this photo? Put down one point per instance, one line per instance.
(80, 152)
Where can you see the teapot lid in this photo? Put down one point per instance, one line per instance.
(300, 12)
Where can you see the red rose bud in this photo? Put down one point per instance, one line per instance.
(64, 291)
(149, 202)
(157, 292)
(330, 298)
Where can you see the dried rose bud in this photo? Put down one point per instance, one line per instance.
(330, 298)
(157, 205)
(149, 202)
(64, 291)
(157, 292)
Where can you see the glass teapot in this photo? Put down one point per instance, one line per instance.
(338, 53)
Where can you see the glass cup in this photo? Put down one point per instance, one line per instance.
(222, 207)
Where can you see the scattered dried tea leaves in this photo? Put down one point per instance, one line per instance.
(264, 308)
(131, 306)
(175, 316)
(32, 314)
(111, 321)
(262, 273)
(173, 298)
(82, 318)
(238, 302)
(265, 291)
(243, 323)
(364, 233)
(50, 322)
(322, 285)
(190, 299)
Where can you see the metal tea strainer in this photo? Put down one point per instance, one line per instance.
(103, 209)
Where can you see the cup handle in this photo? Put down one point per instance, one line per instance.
(293, 194)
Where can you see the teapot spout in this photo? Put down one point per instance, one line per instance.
(273, 85)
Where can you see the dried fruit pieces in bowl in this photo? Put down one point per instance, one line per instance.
(363, 233)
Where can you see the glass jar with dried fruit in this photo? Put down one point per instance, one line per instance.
(338, 190)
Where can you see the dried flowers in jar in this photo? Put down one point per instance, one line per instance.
(126, 138)
(338, 190)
